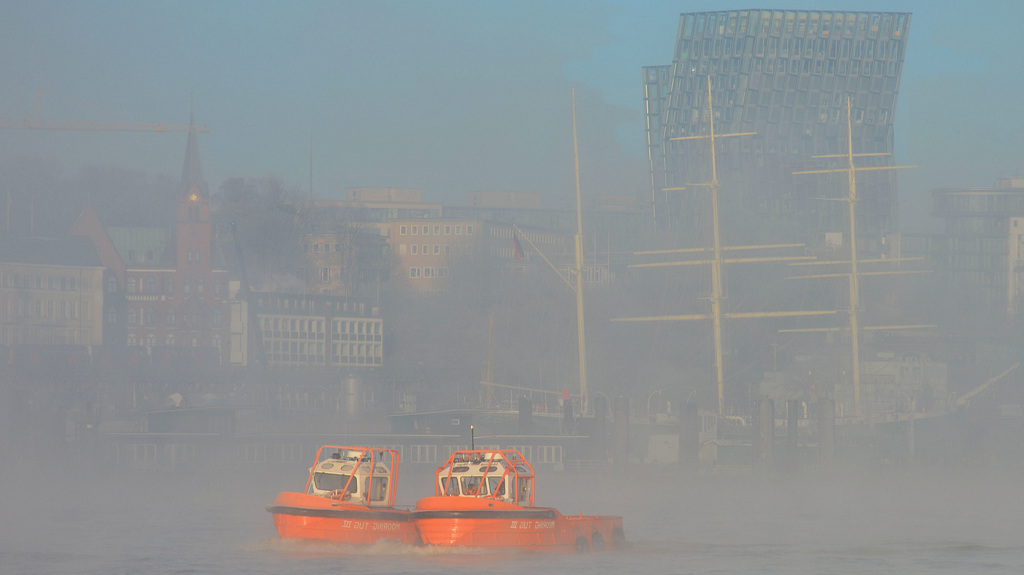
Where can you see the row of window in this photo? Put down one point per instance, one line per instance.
(296, 326)
(38, 281)
(428, 272)
(345, 354)
(313, 304)
(424, 250)
(14, 335)
(44, 309)
(801, 23)
(169, 341)
(148, 317)
(425, 229)
(150, 285)
(791, 47)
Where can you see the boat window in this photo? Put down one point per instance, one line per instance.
(524, 491)
(450, 488)
(471, 485)
(379, 489)
(334, 482)
(496, 486)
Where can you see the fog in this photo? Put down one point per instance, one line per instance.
(160, 456)
(213, 522)
(447, 96)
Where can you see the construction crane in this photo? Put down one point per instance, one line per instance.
(34, 123)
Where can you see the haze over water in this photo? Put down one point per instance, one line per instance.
(75, 520)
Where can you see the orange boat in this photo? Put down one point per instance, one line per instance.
(484, 498)
(349, 498)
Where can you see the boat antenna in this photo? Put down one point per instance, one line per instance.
(472, 441)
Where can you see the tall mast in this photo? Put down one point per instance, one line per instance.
(716, 261)
(579, 263)
(851, 202)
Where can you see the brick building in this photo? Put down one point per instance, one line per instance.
(166, 288)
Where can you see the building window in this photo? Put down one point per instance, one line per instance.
(447, 249)
(170, 339)
(458, 230)
(131, 285)
(437, 230)
(469, 230)
(169, 286)
(149, 284)
(188, 287)
(414, 248)
(325, 275)
(151, 340)
(437, 249)
(111, 316)
(150, 317)
(217, 317)
(195, 317)
(199, 286)
(414, 228)
(111, 284)
(170, 319)
(401, 230)
(216, 287)
(316, 247)
(131, 320)
(426, 250)
(447, 230)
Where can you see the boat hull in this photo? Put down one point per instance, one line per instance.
(302, 516)
(473, 522)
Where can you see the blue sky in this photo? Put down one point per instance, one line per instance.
(450, 96)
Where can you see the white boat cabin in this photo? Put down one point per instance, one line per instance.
(502, 475)
(356, 475)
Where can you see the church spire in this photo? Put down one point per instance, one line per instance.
(192, 173)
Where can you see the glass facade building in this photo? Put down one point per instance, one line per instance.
(784, 75)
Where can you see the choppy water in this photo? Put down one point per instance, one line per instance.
(93, 522)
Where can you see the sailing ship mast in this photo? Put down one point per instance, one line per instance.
(579, 263)
(716, 261)
(576, 286)
(854, 275)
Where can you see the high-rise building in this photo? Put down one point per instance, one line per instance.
(784, 75)
(982, 245)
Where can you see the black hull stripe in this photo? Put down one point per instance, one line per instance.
(399, 516)
(486, 514)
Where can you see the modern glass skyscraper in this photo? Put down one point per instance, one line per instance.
(784, 75)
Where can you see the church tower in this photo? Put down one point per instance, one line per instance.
(192, 224)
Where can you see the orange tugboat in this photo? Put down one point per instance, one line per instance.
(349, 498)
(484, 498)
